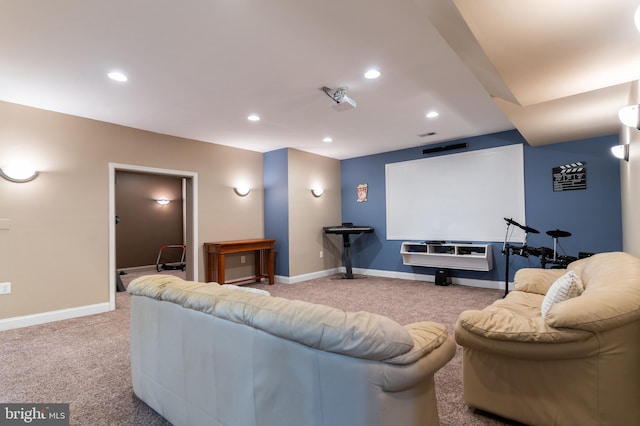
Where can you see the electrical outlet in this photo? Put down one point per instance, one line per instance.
(321, 254)
(243, 259)
(5, 288)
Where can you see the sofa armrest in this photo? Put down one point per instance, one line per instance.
(400, 377)
(509, 326)
(510, 334)
(536, 280)
(597, 310)
(426, 337)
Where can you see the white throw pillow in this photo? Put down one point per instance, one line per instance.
(567, 286)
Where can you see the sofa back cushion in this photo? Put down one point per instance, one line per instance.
(358, 334)
(611, 297)
(606, 270)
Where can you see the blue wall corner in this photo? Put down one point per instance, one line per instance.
(276, 206)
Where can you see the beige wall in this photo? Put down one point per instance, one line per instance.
(308, 214)
(630, 182)
(55, 252)
(630, 187)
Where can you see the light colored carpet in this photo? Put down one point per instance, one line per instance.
(85, 361)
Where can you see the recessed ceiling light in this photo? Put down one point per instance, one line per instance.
(117, 76)
(432, 114)
(327, 139)
(253, 117)
(371, 74)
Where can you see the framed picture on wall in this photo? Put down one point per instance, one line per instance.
(570, 177)
(361, 191)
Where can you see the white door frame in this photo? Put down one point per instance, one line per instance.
(191, 220)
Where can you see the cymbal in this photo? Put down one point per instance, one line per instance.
(512, 222)
(558, 233)
(530, 230)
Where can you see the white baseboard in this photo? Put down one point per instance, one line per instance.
(469, 282)
(81, 311)
(280, 279)
(305, 277)
(45, 317)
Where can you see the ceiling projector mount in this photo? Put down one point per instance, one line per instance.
(341, 102)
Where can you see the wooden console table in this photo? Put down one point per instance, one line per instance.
(215, 262)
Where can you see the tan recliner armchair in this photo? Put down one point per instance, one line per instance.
(578, 365)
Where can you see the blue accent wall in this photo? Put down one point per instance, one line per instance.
(276, 206)
(593, 216)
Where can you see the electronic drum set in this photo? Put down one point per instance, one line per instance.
(547, 256)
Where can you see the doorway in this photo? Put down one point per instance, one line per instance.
(190, 192)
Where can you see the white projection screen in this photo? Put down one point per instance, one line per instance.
(457, 197)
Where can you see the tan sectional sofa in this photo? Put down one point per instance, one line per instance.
(578, 365)
(203, 354)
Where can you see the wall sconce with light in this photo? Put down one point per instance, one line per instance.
(621, 151)
(317, 192)
(242, 191)
(630, 116)
(163, 201)
(18, 173)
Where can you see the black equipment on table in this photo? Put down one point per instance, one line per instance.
(347, 229)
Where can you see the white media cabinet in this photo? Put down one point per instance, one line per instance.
(471, 257)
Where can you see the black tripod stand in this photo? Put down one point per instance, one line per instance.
(507, 248)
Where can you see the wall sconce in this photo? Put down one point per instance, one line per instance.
(317, 192)
(621, 151)
(242, 191)
(163, 201)
(629, 116)
(19, 173)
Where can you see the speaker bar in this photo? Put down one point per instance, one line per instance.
(444, 148)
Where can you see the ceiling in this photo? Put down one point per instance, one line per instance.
(556, 71)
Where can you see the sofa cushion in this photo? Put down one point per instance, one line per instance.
(515, 318)
(249, 289)
(536, 280)
(566, 287)
(152, 285)
(358, 334)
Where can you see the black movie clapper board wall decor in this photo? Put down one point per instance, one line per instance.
(570, 177)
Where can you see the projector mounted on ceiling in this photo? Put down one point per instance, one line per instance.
(341, 102)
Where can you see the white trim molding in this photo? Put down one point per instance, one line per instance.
(280, 279)
(469, 282)
(46, 317)
(194, 253)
